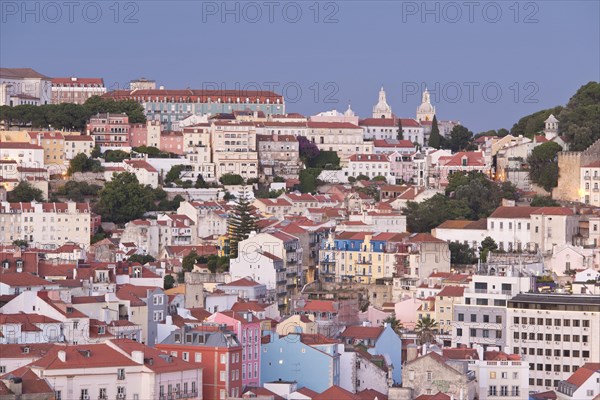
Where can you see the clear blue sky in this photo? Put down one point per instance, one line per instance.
(537, 53)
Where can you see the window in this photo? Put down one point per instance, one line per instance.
(121, 374)
(223, 359)
(429, 376)
(120, 391)
(498, 319)
(473, 317)
(102, 393)
(223, 376)
(492, 375)
(461, 317)
(84, 394)
(186, 356)
(503, 390)
(492, 391)
(486, 318)
(58, 395)
(198, 357)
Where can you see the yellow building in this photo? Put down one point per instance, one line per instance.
(14, 136)
(361, 256)
(53, 143)
(444, 306)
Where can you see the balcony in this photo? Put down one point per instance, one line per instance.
(587, 177)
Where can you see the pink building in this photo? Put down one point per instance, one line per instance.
(463, 161)
(247, 328)
(401, 166)
(109, 130)
(138, 135)
(172, 142)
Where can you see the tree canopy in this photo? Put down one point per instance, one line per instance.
(241, 222)
(77, 191)
(435, 140)
(231, 179)
(24, 192)
(543, 165)
(68, 116)
(124, 199)
(460, 139)
(82, 163)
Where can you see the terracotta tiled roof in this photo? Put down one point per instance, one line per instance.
(500, 356)
(424, 238)
(20, 279)
(437, 396)
(553, 211)
(159, 363)
(362, 332)
(337, 393)
(513, 212)
(307, 392)
(83, 356)
(242, 282)
(451, 291)
(584, 372)
(371, 394)
(461, 354)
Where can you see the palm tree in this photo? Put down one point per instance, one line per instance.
(426, 329)
(395, 324)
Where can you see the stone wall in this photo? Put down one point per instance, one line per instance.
(569, 164)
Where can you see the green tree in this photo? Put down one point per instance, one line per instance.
(115, 155)
(81, 163)
(169, 282)
(308, 180)
(241, 222)
(174, 173)
(543, 165)
(379, 178)
(461, 253)
(579, 121)
(400, 132)
(20, 243)
(189, 261)
(96, 152)
(231, 179)
(24, 192)
(123, 199)
(426, 329)
(435, 140)
(543, 201)
(200, 182)
(487, 245)
(141, 258)
(77, 191)
(460, 139)
(362, 177)
(394, 323)
(426, 215)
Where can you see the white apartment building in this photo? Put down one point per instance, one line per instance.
(24, 86)
(234, 148)
(45, 225)
(501, 375)
(25, 154)
(117, 369)
(557, 333)
(482, 318)
(589, 190)
(262, 267)
(210, 218)
(146, 174)
(76, 144)
(552, 227)
(344, 138)
(370, 165)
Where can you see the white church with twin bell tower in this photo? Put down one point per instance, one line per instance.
(426, 111)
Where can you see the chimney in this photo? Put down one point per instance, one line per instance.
(62, 355)
(138, 356)
(411, 352)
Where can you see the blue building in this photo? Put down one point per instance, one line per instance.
(311, 360)
(379, 340)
